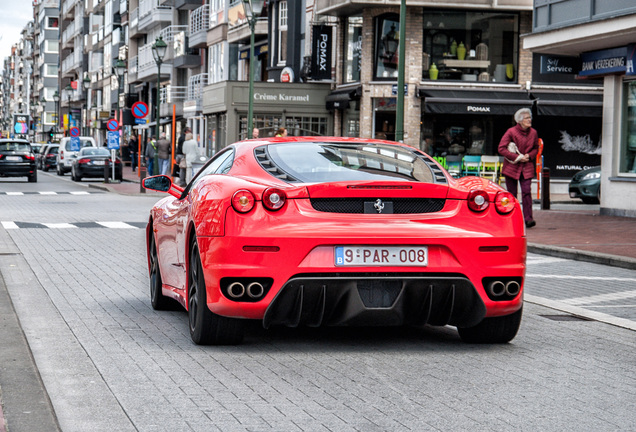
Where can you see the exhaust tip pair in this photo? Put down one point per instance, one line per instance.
(254, 290)
(500, 289)
(245, 289)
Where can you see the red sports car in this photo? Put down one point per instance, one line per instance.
(336, 231)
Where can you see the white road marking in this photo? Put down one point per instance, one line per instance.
(15, 193)
(9, 225)
(59, 225)
(579, 311)
(591, 278)
(601, 298)
(47, 193)
(119, 225)
(80, 193)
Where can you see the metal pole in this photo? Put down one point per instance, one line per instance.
(399, 114)
(154, 169)
(250, 106)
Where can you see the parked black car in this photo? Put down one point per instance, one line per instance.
(586, 185)
(17, 159)
(47, 158)
(91, 161)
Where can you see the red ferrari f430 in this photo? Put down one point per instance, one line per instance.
(325, 231)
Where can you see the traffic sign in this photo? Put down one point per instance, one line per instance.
(74, 132)
(139, 110)
(113, 140)
(75, 143)
(141, 121)
(112, 125)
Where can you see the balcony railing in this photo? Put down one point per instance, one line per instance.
(147, 6)
(172, 94)
(195, 86)
(200, 19)
(169, 32)
(134, 17)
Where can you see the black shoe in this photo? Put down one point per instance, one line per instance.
(530, 223)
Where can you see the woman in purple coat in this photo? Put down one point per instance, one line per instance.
(519, 165)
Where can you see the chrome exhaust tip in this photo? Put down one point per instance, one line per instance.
(255, 290)
(497, 288)
(236, 290)
(513, 288)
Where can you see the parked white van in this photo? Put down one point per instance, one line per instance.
(65, 155)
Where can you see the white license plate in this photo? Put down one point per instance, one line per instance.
(98, 162)
(14, 158)
(381, 256)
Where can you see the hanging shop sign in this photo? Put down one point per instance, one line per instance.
(559, 65)
(321, 52)
(618, 60)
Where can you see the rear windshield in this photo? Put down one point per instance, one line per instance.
(15, 146)
(53, 150)
(94, 151)
(329, 162)
(83, 143)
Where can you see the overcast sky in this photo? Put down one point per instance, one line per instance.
(14, 14)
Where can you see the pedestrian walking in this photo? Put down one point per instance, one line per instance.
(281, 132)
(190, 151)
(255, 133)
(164, 153)
(151, 151)
(519, 147)
(180, 157)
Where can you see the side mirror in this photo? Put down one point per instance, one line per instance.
(160, 183)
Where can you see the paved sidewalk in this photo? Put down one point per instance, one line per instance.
(569, 229)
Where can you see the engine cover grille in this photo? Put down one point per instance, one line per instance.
(357, 205)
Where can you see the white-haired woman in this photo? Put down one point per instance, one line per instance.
(190, 150)
(519, 164)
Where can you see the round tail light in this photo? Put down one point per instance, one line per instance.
(478, 200)
(243, 201)
(274, 199)
(504, 202)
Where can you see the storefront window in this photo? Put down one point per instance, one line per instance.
(627, 156)
(387, 44)
(353, 49)
(470, 46)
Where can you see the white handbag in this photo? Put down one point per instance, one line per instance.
(512, 148)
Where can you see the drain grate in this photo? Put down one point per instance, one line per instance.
(566, 318)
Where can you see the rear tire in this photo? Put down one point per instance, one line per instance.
(74, 176)
(33, 178)
(206, 327)
(157, 299)
(59, 170)
(493, 330)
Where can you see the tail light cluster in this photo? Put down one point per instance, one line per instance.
(244, 200)
(478, 201)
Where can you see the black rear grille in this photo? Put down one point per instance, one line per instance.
(356, 205)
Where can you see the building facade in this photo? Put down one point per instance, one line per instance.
(601, 35)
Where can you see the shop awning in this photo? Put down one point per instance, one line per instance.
(474, 102)
(340, 98)
(568, 104)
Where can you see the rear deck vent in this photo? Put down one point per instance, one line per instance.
(400, 205)
(268, 165)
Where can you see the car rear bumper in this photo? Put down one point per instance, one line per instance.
(16, 170)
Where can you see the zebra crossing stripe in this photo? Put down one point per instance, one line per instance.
(116, 225)
(80, 193)
(9, 225)
(58, 225)
(47, 193)
(15, 193)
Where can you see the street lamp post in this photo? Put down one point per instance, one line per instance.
(86, 82)
(119, 69)
(253, 11)
(158, 52)
(56, 98)
(399, 114)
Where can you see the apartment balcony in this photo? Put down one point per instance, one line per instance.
(147, 67)
(132, 69)
(133, 23)
(67, 36)
(68, 9)
(152, 14)
(194, 99)
(187, 4)
(199, 25)
(241, 33)
(172, 95)
(175, 36)
(71, 63)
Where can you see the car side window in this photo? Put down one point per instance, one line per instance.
(220, 164)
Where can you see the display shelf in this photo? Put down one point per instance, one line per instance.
(474, 64)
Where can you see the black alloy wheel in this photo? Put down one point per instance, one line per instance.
(157, 299)
(206, 327)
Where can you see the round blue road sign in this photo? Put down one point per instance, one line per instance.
(139, 110)
(112, 125)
